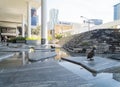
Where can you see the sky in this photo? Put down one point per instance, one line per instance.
(72, 10)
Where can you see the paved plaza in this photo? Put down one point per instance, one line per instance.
(48, 72)
(98, 65)
(43, 74)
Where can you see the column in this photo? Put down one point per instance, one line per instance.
(23, 27)
(23, 58)
(43, 22)
(29, 18)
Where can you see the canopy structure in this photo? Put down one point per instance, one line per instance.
(18, 12)
(11, 11)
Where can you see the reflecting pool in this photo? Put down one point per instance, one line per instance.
(105, 79)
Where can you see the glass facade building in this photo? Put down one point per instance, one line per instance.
(96, 21)
(34, 17)
(53, 18)
(117, 11)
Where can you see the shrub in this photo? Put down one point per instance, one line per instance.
(33, 38)
(49, 38)
(58, 36)
(20, 38)
(14, 39)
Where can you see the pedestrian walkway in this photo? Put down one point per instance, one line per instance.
(99, 64)
(39, 52)
(43, 74)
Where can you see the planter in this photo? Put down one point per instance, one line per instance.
(33, 42)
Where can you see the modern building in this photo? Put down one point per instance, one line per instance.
(34, 17)
(53, 18)
(97, 21)
(16, 13)
(63, 27)
(117, 11)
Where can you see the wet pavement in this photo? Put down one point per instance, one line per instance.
(5, 55)
(43, 74)
(14, 72)
(18, 71)
(98, 80)
(98, 65)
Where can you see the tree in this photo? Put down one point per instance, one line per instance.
(36, 31)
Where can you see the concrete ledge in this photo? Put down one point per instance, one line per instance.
(33, 42)
(40, 55)
(97, 66)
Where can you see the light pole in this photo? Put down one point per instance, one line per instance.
(87, 21)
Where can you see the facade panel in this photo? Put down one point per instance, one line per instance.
(34, 17)
(117, 11)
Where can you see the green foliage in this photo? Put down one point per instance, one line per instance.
(20, 38)
(58, 36)
(49, 38)
(37, 38)
(14, 39)
(33, 38)
(36, 31)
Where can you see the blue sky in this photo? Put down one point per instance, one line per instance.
(71, 10)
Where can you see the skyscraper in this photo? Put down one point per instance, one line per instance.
(117, 11)
(53, 18)
(34, 17)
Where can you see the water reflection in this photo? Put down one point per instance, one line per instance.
(19, 59)
(60, 53)
(116, 76)
(22, 58)
(99, 80)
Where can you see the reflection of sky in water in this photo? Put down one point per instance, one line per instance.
(19, 59)
(100, 80)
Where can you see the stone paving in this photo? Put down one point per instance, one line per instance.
(43, 74)
(99, 64)
(50, 73)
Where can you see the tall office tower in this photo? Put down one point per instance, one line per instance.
(117, 11)
(34, 17)
(53, 18)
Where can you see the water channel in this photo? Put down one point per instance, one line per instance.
(99, 80)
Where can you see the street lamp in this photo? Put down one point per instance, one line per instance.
(87, 21)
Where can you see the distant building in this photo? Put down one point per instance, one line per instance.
(34, 17)
(117, 11)
(97, 21)
(63, 27)
(53, 18)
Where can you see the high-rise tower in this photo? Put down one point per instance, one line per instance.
(53, 18)
(117, 11)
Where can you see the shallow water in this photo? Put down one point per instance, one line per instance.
(99, 80)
